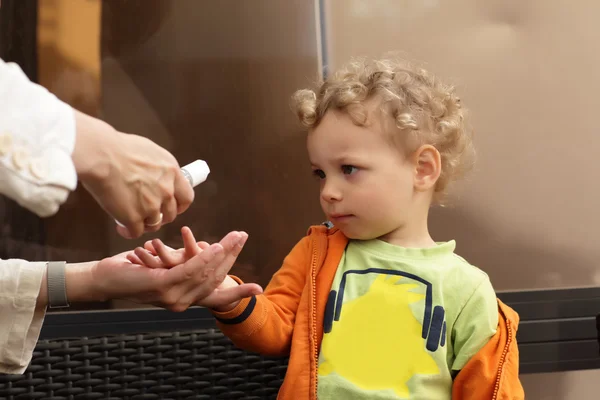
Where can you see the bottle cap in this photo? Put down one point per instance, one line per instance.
(196, 172)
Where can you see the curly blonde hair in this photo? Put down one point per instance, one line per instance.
(425, 110)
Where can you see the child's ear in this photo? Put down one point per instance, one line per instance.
(428, 166)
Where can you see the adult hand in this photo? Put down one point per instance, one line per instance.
(134, 180)
(226, 294)
(179, 287)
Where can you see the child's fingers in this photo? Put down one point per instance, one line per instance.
(189, 242)
(148, 246)
(222, 297)
(146, 258)
(203, 245)
(167, 255)
(132, 258)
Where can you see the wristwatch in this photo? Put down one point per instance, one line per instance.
(57, 289)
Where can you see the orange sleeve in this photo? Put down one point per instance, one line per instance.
(265, 323)
(492, 373)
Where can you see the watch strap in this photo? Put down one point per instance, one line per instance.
(57, 288)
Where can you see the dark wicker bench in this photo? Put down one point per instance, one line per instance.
(168, 364)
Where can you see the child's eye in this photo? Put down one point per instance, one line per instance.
(319, 173)
(349, 169)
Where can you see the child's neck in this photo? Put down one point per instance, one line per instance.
(402, 238)
(413, 234)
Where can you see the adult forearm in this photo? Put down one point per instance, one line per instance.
(92, 154)
(79, 283)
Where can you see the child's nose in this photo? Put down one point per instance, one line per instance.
(331, 192)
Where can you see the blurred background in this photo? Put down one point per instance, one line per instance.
(213, 79)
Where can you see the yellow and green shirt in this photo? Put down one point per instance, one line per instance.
(400, 322)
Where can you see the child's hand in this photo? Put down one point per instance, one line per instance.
(227, 294)
(156, 254)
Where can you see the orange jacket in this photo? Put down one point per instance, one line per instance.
(288, 320)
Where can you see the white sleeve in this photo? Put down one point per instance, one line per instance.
(37, 137)
(20, 321)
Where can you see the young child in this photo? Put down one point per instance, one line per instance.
(370, 306)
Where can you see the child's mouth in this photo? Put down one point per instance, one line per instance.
(340, 218)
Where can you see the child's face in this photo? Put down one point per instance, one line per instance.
(367, 184)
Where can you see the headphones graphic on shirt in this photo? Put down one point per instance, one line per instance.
(434, 326)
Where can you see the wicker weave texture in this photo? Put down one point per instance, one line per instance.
(175, 365)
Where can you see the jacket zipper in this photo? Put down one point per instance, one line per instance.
(503, 360)
(313, 276)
